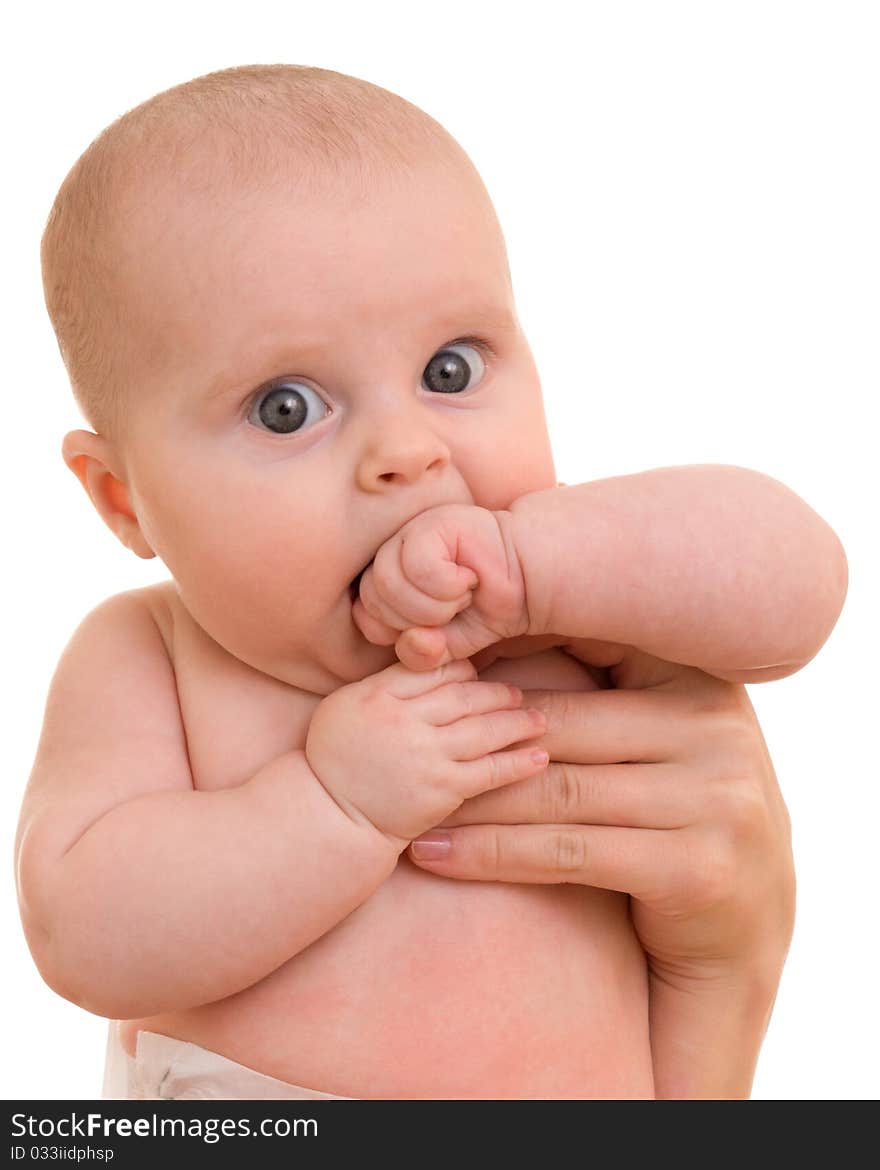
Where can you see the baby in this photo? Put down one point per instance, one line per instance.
(283, 299)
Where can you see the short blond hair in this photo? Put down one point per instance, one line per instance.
(246, 121)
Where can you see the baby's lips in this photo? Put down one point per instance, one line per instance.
(355, 585)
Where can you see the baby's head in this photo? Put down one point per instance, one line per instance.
(283, 299)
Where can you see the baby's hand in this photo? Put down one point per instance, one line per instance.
(446, 585)
(403, 750)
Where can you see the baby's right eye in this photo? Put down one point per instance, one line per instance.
(290, 406)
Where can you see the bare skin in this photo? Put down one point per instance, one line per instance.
(163, 809)
(664, 789)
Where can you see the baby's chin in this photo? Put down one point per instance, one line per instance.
(370, 660)
(325, 675)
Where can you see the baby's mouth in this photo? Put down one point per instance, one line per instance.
(354, 589)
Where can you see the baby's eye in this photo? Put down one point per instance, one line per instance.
(454, 369)
(292, 406)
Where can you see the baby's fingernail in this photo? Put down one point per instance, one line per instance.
(431, 846)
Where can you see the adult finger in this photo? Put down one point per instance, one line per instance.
(611, 726)
(638, 796)
(648, 864)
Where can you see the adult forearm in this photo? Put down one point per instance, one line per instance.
(716, 567)
(705, 1041)
(179, 899)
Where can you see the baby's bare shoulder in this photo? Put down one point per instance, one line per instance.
(121, 648)
(112, 729)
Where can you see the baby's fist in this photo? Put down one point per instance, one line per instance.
(446, 585)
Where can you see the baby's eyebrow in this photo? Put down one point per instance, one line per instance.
(255, 368)
(489, 317)
(295, 357)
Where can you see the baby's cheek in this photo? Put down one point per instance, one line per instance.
(520, 462)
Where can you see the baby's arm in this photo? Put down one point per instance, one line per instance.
(140, 894)
(715, 567)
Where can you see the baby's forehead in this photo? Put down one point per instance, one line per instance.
(227, 182)
(220, 203)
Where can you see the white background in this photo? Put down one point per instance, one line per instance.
(690, 196)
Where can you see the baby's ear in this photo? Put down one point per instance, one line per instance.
(92, 460)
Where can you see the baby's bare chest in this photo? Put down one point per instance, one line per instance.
(236, 719)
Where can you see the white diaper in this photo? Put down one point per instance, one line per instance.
(170, 1069)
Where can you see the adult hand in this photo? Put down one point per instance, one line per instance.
(661, 788)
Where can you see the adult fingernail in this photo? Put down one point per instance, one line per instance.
(431, 846)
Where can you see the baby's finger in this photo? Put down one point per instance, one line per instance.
(407, 684)
(426, 562)
(430, 597)
(499, 769)
(372, 628)
(421, 649)
(415, 609)
(377, 607)
(478, 735)
(456, 700)
(400, 602)
(467, 634)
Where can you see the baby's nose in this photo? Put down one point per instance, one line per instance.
(400, 455)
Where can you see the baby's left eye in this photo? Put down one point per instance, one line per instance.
(453, 369)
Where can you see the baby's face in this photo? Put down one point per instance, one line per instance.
(308, 376)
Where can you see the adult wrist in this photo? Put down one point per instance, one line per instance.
(706, 1035)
